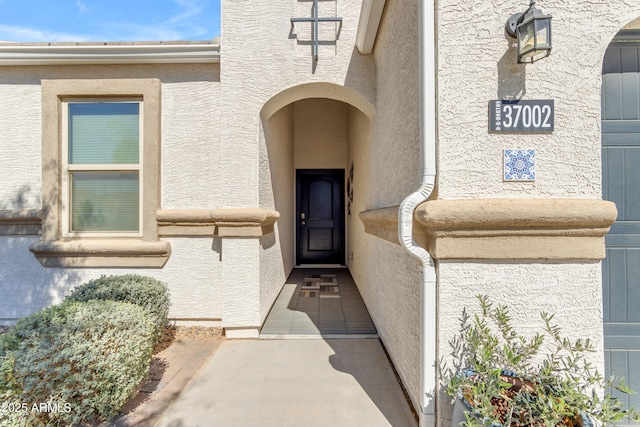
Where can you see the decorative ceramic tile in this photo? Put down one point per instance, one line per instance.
(519, 165)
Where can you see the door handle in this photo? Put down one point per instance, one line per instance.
(302, 215)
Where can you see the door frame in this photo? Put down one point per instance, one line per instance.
(340, 173)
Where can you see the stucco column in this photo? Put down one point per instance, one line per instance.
(241, 287)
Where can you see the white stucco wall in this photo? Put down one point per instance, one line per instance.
(320, 134)
(395, 147)
(388, 276)
(260, 64)
(358, 156)
(189, 178)
(390, 289)
(20, 179)
(191, 156)
(240, 287)
(277, 185)
(192, 273)
(568, 160)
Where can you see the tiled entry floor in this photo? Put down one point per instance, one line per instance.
(326, 304)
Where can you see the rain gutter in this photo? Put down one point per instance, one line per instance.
(428, 291)
(12, 54)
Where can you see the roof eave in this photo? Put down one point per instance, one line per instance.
(370, 16)
(54, 54)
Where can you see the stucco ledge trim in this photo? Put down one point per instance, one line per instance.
(228, 222)
(20, 222)
(506, 229)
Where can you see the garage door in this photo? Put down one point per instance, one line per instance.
(621, 184)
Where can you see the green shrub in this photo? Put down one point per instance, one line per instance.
(76, 362)
(515, 379)
(147, 292)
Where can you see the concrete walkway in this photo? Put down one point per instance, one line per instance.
(171, 370)
(332, 382)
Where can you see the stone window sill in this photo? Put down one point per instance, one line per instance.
(101, 253)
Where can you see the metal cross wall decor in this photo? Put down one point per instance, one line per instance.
(315, 20)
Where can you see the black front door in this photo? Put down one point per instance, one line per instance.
(320, 216)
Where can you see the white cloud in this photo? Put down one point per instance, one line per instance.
(185, 21)
(181, 26)
(184, 24)
(192, 9)
(82, 8)
(27, 34)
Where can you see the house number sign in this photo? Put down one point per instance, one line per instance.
(521, 116)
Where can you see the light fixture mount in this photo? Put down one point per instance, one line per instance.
(532, 29)
(512, 24)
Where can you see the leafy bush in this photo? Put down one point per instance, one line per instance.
(509, 380)
(73, 363)
(147, 292)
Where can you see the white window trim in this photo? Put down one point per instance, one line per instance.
(68, 168)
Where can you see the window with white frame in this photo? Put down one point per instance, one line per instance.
(102, 165)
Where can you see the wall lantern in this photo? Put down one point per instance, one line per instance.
(533, 31)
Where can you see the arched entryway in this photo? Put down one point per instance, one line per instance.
(314, 134)
(621, 184)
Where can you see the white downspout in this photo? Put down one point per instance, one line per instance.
(428, 303)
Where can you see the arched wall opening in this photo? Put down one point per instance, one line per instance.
(313, 127)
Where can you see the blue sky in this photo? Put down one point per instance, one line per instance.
(108, 20)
